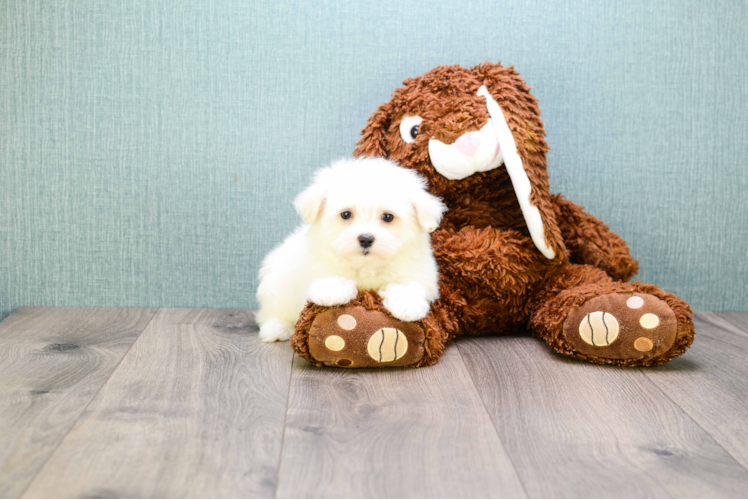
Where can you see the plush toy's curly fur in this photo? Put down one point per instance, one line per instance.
(493, 278)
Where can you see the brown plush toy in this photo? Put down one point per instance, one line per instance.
(511, 255)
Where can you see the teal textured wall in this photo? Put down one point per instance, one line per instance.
(149, 151)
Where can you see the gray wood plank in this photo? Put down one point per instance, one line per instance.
(53, 361)
(573, 429)
(195, 409)
(710, 382)
(737, 318)
(391, 433)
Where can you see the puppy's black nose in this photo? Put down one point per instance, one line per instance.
(365, 240)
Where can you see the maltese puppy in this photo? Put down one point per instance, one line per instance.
(367, 224)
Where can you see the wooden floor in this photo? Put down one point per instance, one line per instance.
(113, 402)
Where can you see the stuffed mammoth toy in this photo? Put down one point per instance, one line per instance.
(511, 255)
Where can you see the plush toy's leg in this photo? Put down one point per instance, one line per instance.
(583, 313)
(363, 334)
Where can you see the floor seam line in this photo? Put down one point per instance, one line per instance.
(717, 313)
(283, 432)
(52, 453)
(488, 415)
(691, 417)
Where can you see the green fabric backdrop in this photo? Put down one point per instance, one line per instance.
(149, 151)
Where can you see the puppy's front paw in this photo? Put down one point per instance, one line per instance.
(274, 330)
(331, 291)
(406, 302)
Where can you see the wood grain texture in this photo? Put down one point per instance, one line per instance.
(579, 430)
(710, 382)
(53, 361)
(195, 409)
(391, 433)
(737, 318)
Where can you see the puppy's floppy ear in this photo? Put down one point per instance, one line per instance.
(429, 210)
(310, 202)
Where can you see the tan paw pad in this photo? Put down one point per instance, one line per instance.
(387, 344)
(635, 302)
(347, 322)
(643, 344)
(335, 343)
(649, 321)
(599, 328)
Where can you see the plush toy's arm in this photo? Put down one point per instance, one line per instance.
(590, 241)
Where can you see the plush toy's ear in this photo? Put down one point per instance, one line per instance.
(374, 135)
(429, 210)
(516, 118)
(310, 202)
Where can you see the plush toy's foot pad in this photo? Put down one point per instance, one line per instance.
(354, 337)
(621, 326)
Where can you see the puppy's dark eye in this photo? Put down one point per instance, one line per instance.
(346, 215)
(390, 217)
(414, 131)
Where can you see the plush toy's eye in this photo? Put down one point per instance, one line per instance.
(388, 217)
(409, 127)
(346, 215)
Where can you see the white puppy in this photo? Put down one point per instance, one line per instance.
(367, 225)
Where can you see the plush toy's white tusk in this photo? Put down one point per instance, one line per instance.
(517, 174)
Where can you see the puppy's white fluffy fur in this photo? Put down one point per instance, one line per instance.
(325, 262)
